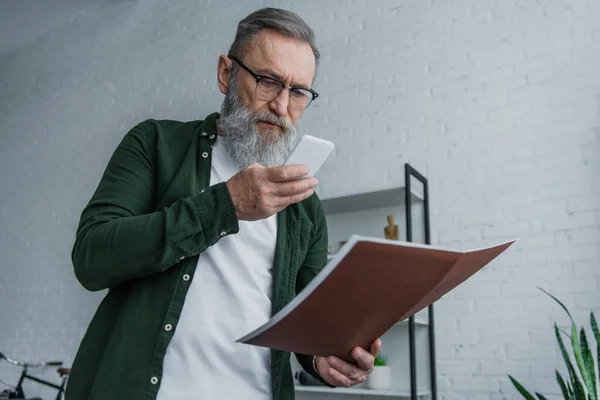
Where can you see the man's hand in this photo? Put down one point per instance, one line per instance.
(338, 372)
(258, 192)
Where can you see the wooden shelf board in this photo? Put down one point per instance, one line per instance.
(358, 392)
(368, 200)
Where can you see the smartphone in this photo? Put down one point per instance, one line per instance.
(312, 152)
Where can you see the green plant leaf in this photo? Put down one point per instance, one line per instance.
(594, 325)
(540, 397)
(567, 334)
(559, 302)
(380, 360)
(521, 389)
(577, 388)
(566, 393)
(579, 391)
(588, 362)
(570, 390)
(577, 352)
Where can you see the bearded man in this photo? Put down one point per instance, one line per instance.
(200, 235)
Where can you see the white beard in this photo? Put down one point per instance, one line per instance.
(243, 141)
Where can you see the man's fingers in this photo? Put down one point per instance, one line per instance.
(258, 192)
(337, 378)
(282, 202)
(349, 370)
(363, 358)
(295, 187)
(286, 173)
(300, 196)
(293, 192)
(375, 347)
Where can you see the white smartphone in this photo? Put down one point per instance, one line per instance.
(312, 152)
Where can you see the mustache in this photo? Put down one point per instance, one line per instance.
(272, 119)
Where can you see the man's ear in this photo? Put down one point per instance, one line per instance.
(223, 73)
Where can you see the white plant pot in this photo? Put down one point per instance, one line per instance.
(380, 378)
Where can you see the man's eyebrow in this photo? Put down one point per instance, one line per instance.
(273, 74)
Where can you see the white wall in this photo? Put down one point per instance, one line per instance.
(497, 102)
(23, 21)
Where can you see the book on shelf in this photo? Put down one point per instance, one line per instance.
(370, 285)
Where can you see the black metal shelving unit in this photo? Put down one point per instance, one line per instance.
(409, 173)
(392, 197)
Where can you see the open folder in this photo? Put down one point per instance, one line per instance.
(370, 285)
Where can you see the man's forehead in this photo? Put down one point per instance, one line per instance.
(284, 57)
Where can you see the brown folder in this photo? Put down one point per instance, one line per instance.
(369, 286)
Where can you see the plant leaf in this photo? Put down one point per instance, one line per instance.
(594, 325)
(540, 397)
(579, 391)
(588, 362)
(570, 390)
(577, 388)
(567, 334)
(566, 393)
(564, 353)
(521, 389)
(577, 352)
(561, 304)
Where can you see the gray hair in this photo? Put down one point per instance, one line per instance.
(284, 22)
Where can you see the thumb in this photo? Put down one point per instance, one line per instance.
(254, 165)
(375, 347)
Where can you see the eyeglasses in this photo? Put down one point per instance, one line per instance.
(268, 88)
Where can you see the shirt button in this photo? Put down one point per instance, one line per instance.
(223, 233)
(154, 380)
(205, 154)
(186, 277)
(181, 258)
(168, 327)
(202, 191)
(212, 136)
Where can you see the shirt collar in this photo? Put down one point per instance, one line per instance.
(208, 129)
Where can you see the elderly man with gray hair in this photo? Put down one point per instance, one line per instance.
(200, 235)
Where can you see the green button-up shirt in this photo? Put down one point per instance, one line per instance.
(140, 235)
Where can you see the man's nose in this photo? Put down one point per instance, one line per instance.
(279, 105)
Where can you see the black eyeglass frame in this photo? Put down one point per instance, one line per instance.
(258, 78)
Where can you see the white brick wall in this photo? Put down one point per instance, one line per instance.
(496, 101)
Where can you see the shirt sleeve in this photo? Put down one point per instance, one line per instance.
(314, 261)
(119, 238)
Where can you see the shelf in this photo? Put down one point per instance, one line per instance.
(358, 392)
(367, 200)
(364, 213)
(418, 322)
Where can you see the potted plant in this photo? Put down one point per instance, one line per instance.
(580, 384)
(381, 377)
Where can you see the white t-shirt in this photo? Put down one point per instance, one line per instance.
(229, 296)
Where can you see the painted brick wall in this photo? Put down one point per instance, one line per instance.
(496, 101)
